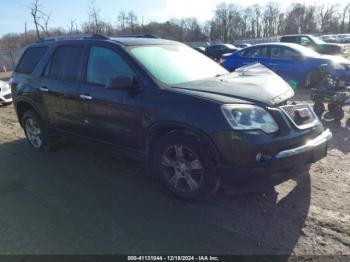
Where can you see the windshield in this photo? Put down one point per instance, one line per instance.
(230, 46)
(174, 64)
(317, 40)
(305, 51)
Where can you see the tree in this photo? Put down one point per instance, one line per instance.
(132, 21)
(40, 19)
(344, 14)
(328, 15)
(122, 19)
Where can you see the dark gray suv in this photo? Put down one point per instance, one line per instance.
(160, 101)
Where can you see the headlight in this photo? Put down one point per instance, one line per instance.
(249, 117)
(5, 87)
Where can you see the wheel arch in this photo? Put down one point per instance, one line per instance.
(160, 130)
(23, 106)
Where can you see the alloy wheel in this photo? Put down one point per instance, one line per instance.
(34, 132)
(182, 168)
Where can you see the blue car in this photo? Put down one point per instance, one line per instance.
(297, 65)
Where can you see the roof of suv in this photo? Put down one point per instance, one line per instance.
(294, 35)
(122, 40)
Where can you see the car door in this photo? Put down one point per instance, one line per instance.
(256, 55)
(249, 56)
(59, 87)
(111, 115)
(287, 63)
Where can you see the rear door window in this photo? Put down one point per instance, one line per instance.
(278, 52)
(66, 63)
(30, 59)
(255, 52)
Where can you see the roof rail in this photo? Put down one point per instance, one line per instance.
(73, 37)
(137, 36)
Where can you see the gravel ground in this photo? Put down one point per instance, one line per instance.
(83, 200)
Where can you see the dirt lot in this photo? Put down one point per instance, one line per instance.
(83, 200)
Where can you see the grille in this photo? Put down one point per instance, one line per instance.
(302, 116)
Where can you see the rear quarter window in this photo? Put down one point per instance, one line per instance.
(30, 59)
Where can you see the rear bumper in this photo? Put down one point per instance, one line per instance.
(282, 166)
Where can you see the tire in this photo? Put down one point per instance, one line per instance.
(338, 113)
(185, 168)
(319, 108)
(36, 134)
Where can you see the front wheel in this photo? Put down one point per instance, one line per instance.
(185, 168)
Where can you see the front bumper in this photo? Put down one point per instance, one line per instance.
(281, 166)
(5, 97)
(310, 146)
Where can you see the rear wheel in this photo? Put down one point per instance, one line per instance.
(36, 133)
(184, 167)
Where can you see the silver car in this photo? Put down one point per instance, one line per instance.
(5, 93)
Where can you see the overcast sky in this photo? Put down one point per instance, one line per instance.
(14, 13)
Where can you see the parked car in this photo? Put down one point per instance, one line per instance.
(342, 36)
(216, 51)
(200, 49)
(5, 93)
(345, 39)
(330, 38)
(161, 101)
(315, 43)
(294, 63)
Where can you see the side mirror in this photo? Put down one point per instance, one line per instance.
(122, 82)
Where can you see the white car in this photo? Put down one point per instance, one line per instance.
(5, 93)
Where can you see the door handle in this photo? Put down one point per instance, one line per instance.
(272, 64)
(44, 89)
(85, 97)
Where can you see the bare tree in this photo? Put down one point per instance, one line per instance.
(40, 19)
(344, 14)
(73, 27)
(132, 21)
(257, 11)
(271, 15)
(44, 25)
(122, 20)
(328, 18)
(35, 13)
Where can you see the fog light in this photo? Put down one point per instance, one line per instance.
(258, 157)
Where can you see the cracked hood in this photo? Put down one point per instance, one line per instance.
(254, 83)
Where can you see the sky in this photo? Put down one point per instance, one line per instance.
(15, 13)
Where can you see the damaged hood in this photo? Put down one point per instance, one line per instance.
(254, 83)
